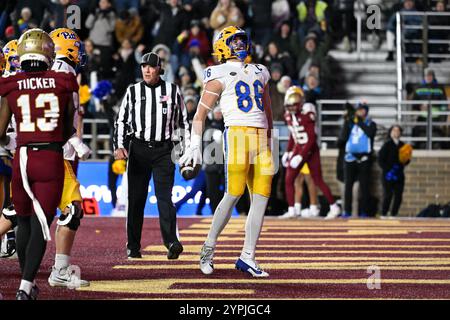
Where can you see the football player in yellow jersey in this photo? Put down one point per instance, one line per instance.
(8, 219)
(242, 93)
(69, 55)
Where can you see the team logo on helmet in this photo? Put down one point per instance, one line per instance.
(224, 48)
(36, 44)
(68, 45)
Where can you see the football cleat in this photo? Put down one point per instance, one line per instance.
(206, 259)
(175, 249)
(334, 212)
(34, 292)
(9, 250)
(251, 267)
(65, 278)
(22, 295)
(290, 214)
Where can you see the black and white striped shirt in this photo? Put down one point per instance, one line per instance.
(152, 113)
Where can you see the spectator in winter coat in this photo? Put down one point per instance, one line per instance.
(393, 176)
(129, 26)
(226, 14)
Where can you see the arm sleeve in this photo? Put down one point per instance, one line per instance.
(291, 143)
(122, 122)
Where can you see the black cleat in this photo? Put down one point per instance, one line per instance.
(175, 248)
(22, 295)
(134, 254)
(34, 292)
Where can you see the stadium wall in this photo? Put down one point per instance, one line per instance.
(427, 176)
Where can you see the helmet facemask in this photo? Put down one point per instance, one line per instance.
(239, 45)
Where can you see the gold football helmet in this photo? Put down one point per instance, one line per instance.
(293, 95)
(36, 44)
(223, 49)
(67, 44)
(11, 56)
(2, 62)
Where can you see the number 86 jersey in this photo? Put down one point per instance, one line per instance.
(241, 101)
(38, 101)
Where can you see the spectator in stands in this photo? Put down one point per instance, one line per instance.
(273, 55)
(311, 53)
(261, 21)
(277, 90)
(57, 17)
(125, 66)
(212, 156)
(312, 17)
(311, 88)
(286, 39)
(345, 9)
(25, 21)
(101, 24)
(90, 71)
(191, 106)
(408, 6)
(393, 176)
(226, 14)
(359, 135)
(428, 90)
(280, 13)
(187, 82)
(440, 21)
(194, 42)
(129, 26)
(122, 5)
(173, 21)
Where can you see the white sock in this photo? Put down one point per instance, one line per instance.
(253, 225)
(61, 261)
(26, 286)
(221, 217)
(298, 208)
(313, 207)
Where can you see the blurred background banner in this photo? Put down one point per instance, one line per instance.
(93, 178)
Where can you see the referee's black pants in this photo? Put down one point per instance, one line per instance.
(143, 161)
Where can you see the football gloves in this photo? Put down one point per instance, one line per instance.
(295, 161)
(81, 149)
(193, 153)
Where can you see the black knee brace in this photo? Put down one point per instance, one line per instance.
(72, 219)
(10, 214)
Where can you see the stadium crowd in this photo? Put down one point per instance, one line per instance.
(291, 37)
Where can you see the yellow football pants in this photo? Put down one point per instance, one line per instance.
(248, 161)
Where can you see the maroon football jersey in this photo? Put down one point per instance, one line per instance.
(302, 129)
(38, 101)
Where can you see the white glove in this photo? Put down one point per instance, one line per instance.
(12, 144)
(193, 153)
(295, 161)
(82, 150)
(69, 151)
(285, 159)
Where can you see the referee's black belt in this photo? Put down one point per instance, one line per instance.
(153, 144)
(52, 146)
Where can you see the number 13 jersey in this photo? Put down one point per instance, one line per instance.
(241, 101)
(38, 101)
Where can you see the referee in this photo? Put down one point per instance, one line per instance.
(152, 112)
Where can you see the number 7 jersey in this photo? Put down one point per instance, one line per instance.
(38, 101)
(241, 101)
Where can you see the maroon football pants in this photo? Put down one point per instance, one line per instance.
(45, 171)
(313, 161)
